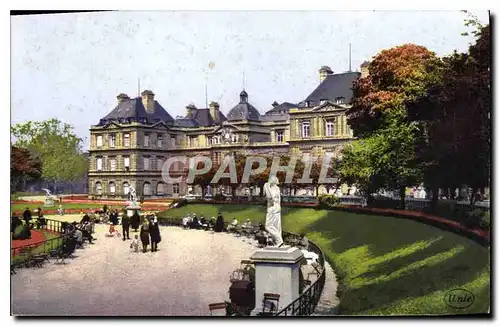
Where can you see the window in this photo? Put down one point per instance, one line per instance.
(173, 140)
(112, 188)
(193, 141)
(279, 136)
(306, 104)
(215, 140)
(217, 157)
(99, 164)
(323, 101)
(146, 140)
(98, 188)
(340, 100)
(126, 140)
(160, 189)
(160, 141)
(99, 141)
(146, 163)
(112, 163)
(305, 129)
(175, 188)
(147, 189)
(330, 129)
(126, 163)
(112, 140)
(153, 163)
(126, 187)
(159, 163)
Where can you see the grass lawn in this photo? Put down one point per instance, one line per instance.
(52, 245)
(385, 265)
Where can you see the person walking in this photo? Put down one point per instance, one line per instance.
(125, 226)
(144, 234)
(155, 234)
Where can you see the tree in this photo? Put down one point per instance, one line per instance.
(457, 110)
(379, 113)
(57, 146)
(23, 167)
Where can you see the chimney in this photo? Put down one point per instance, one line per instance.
(122, 97)
(214, 111)
(191, 111)
(148, 100)
(323, 72)
(364, 69)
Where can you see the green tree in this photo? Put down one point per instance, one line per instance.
(397, 77)
(57, 146)
(457, 109)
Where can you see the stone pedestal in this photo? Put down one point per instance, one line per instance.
(277, 271)
(131, 210)
(49, 202)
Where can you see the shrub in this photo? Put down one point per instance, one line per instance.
(219, 197)
(178, 203)
(474, 218)
(328, 201)
(485, 221)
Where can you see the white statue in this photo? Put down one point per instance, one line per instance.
(273, 216)
(48, 194)
(133, 196)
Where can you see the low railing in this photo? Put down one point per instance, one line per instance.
(22, 253)
(306, 303)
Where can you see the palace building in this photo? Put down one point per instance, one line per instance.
(129, 145)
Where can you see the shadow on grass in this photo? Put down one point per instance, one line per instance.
(383, 261)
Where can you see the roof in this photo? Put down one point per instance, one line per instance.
(333, 86)
(275, 117)
(186, 123)
(283, 107)
(203, 117)
(243, 111)
(134, 109)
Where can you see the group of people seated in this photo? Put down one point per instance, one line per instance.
(191, 221)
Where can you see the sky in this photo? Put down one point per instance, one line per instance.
(72, 66)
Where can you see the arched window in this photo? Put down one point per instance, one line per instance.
(160, 189)
(112, 188)
(98, 188)
(147, 189)
(125, 188)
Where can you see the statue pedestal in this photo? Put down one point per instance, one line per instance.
(131, 209)
(276, 271)
(49, 202)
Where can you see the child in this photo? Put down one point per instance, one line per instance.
(135, 244)
(112, 231)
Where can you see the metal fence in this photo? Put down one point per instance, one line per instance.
(20, 254)
(306, 303)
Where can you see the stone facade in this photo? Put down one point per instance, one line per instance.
(129, 146)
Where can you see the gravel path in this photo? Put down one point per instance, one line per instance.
(190, 271)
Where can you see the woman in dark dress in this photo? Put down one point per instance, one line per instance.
(144, 235)
(154, 233)
(135, 221)
(219, 223)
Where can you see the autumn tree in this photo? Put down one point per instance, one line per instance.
(24, 166)
(397, 77)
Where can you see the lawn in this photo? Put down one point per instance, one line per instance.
(385, 265)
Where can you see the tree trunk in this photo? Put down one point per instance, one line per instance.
(402, 196)
(262, 191)
(435, 198)
(472, 200)
(316, 190)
